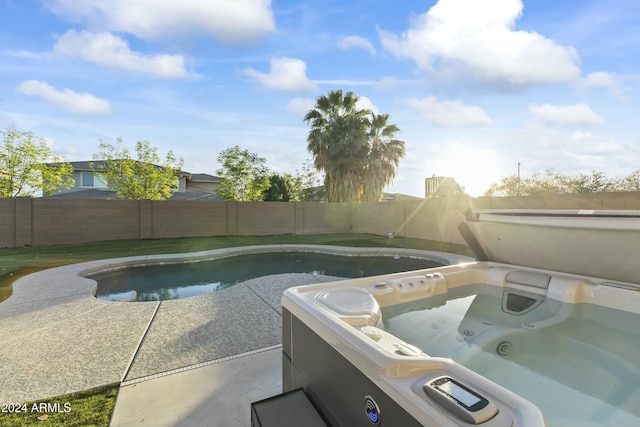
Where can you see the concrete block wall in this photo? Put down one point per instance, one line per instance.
(57, 221)
(317, 218)
(175, 219)
(298, 218)
(262, 218)
(41, 221)
(8, 223)
(24, 223)
(436, 219)
(380, 218)
(232, 218)
(145, 211)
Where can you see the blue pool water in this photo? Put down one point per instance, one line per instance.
(173, 281)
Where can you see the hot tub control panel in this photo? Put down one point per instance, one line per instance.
(460, 399)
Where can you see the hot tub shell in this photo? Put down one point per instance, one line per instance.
(357, 374)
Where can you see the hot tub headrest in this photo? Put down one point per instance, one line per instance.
(350, 301)
(538, 280)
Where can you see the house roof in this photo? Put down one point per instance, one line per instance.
(399, 197)
(86, 165)
(203, 177)
(92, 165)
(90, 193)
(195, 194)
(96, 165)
(105, 194)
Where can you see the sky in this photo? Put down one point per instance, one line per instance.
(475, 86)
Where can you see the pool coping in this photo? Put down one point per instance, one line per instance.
(443, 257)
(56, 310)
(77, 284)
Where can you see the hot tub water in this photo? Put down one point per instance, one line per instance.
(574, 361)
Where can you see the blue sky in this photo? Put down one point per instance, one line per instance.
(475, 86)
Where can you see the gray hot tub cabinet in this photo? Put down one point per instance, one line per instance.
(313, 365)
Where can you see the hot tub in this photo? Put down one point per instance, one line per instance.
(484, 343)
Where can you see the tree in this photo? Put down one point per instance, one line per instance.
(355, 148)
(244, 175)
(552, 182)
(283, 188)
(338, 141)
(385, 153)
(142, 178)
(507, 186)
(631, 182)
(549, 182)
(27, 166)
(596, 182)
(311, 188)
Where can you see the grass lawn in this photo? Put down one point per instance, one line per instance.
(86, 408)
(94, 407)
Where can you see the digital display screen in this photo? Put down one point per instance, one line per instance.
(458, 393)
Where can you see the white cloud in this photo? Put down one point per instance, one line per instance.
(286, 74)
(566, 115)
(300, 106)
(390, 83)
(588, 144)
(346, 82)
(603, 80)
(25, 54)
(536, 146)
(386, 83)
(477, 40)
(587, 152)
(83, 103)
(365, 103)
(359, 42)
(114, 52)
(237, 21)
(539, 147)
(448, 113)
(598, 79)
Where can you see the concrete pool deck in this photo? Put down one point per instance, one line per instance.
(176, 360)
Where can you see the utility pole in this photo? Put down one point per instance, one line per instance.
(519, 178)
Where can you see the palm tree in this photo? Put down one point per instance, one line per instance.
(355, 148)
(384, 156)
(338, 142)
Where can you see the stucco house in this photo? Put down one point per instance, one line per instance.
(89, 183)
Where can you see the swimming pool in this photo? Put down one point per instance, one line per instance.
(175, 280)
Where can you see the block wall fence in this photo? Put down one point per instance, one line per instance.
(41, 221)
